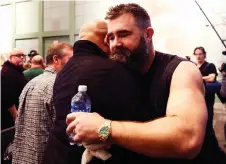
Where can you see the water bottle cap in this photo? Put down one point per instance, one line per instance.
(82, 88)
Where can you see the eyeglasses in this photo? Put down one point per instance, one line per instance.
(19, 55)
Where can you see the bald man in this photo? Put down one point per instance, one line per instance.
(12, 84)
(37, 65)
(112, 89)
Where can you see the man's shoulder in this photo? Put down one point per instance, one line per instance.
(33, 70)
(187, 70)
(166, 57)
(40, 88)
(208, 64)
(7, 69)
(10, 73)
(26, 72)
(40, 70)
(91, 59)
(166, 64)
(43, 81)
(86, 65)
(211, 65)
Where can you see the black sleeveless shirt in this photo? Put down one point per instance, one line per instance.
(158, 81)
(156, 87)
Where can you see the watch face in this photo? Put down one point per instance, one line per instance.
(104, 131)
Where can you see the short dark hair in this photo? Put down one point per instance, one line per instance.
(57, 48)
(140, 14)
(200, 48)
(33, 53)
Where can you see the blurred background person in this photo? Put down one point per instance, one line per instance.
(222, 93)
(212, 86)
(208, 70)
(222, 69)
(37, 68)
(36, 113)
(13, 81)
(31, 54)
(209, 75)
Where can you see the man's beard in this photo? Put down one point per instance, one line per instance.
(135, 59)
(21, 65)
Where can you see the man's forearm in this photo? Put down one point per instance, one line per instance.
(165, 137)
(208, 79)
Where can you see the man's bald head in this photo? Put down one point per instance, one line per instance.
(97, 28)
(15, 52)
(37, 60)
(95, 32)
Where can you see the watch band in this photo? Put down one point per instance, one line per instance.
(104, 130)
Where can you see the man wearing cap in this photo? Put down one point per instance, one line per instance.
(30, 55)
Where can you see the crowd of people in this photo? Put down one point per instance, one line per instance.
(152, 106)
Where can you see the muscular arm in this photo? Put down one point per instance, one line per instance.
(210, 78)
(181, 132)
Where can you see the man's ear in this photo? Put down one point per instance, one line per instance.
(149, 32)
(106, 40)
(55, 59)
(10, 57)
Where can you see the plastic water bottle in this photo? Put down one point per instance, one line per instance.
(80, 103)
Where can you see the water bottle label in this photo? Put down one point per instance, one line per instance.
(88, 109)
(79, 108)
(74, 108)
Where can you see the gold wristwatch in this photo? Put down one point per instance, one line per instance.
(105, 130)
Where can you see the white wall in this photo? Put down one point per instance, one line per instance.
(27, 44)
(27, 17)
(26, 21)
(56, 15)
(179, 24)
(5, 28)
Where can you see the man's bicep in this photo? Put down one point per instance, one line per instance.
(186, 99)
